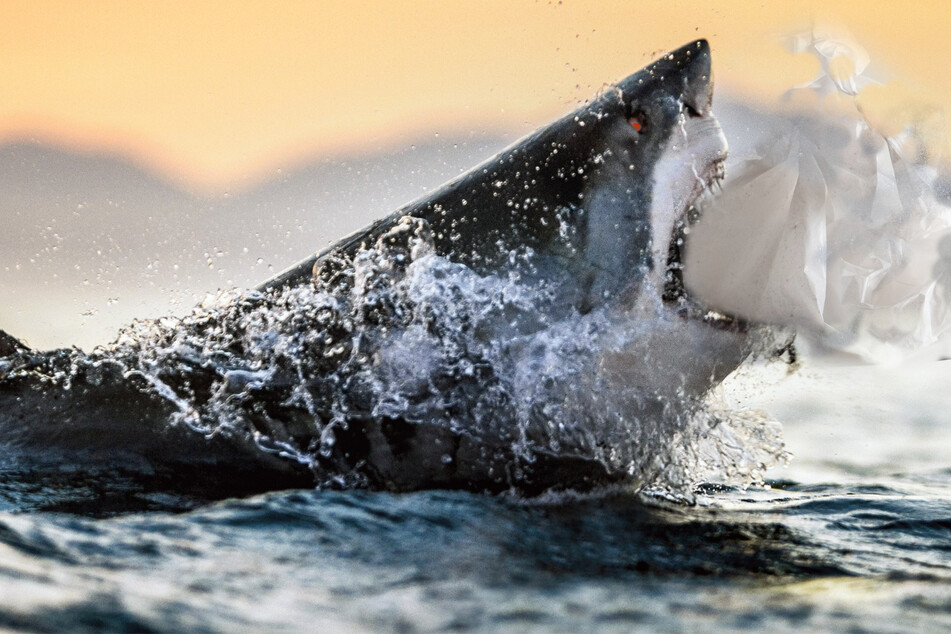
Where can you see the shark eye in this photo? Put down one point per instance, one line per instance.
(638, 121)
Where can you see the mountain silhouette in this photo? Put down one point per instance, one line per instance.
(80, 230)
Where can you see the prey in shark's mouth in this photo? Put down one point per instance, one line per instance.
(522, 327)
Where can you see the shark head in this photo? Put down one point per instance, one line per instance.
(599, 196)
(664, 148)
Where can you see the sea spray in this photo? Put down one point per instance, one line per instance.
(405, 335)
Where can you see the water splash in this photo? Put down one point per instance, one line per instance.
(491, 383)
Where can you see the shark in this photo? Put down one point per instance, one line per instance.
(459, 342)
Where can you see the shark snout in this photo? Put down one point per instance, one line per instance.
(692, 63)
(684, 74)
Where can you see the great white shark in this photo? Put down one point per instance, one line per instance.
(592, 207)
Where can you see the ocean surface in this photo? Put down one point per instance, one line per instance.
(853, 535)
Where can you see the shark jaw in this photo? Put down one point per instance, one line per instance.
(690, 166)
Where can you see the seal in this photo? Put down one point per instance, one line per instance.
(586, 215)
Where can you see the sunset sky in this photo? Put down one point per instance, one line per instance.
(219, 95)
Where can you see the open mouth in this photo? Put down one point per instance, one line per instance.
(675, 292)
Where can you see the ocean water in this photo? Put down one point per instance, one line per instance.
(860, 558)
(852, 535)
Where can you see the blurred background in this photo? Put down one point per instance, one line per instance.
(151, 153)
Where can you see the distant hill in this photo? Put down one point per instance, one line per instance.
(81, 230)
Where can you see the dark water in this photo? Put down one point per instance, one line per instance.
(865, 557)
(855, 535)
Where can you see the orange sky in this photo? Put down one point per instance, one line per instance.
(219, 94)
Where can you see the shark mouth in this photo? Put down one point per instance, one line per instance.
(706, 187)
(709, 150)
